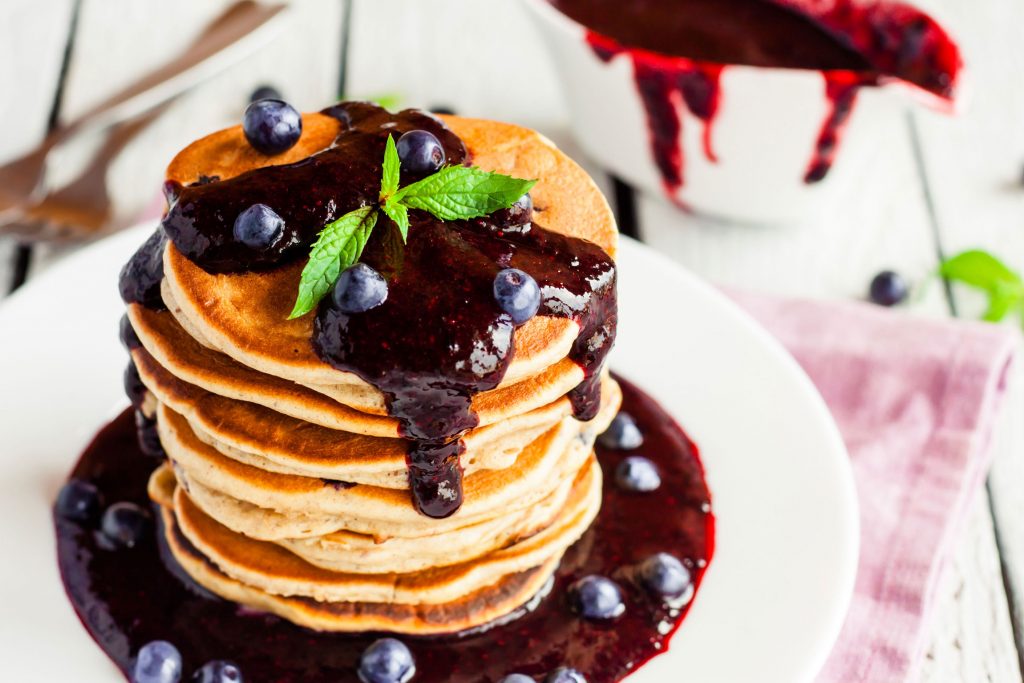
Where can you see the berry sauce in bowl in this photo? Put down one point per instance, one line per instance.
(738, 108)
(651, 547)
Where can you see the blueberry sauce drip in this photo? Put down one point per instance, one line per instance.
(679, 49)
(128, 597)
(140, 278)
(307, 194)
(440, 337)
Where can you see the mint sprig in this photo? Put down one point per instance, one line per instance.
(453, 193)
(982, 270)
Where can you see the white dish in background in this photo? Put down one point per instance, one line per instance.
(775, 594)
(764, 134)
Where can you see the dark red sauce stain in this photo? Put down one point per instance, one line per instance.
(679, 49)
(126, 598)
(440, 338)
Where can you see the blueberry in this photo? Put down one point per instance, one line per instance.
(139, 281)
(386, 661)
(133, 385)
(258, 227)
(664, 575)
(448, 111)
(517, 293)
(622, 434)
(596, 597)
(265, 92)
(888, 288)
(218, 671)
(359, 288)
(564, 674)
(271, 126)
(517, 678)
(127, 333)
(157, 662)
(79, 501)
(637, 473)
(420, 152)
(125, 524)
(148, 437)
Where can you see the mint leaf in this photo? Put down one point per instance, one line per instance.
(982, 270)
(400, 215)
(392, 166)
(457, 192)
(338, 246)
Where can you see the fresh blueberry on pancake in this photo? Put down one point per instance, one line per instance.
(888, 288)
(596, 597)
(79, 501)
(157, 662)
(420, 152)
(565, 675)
(359, 288)
(218, 671)
(125, 524)
(258, 227)
(637, 473)
(271, 126)
(622, 434)
(517, 293)
(386, 661)
(664, 575)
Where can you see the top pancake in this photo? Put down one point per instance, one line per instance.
(245, 315)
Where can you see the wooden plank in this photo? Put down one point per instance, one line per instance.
(32, 40)
(302, 62)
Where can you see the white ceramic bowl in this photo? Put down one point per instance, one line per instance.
(764, 134)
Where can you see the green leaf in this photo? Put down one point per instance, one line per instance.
(982, 270)
(392, 165)
(457, 192)
(338, 246)
(398, 212)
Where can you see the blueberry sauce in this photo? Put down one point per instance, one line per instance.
(128, 597)
(680, 48)
(440, 337)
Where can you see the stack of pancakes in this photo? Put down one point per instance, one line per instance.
(285, 487)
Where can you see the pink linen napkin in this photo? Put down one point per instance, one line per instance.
(915, 400)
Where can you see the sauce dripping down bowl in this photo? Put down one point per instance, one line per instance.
(746, 135)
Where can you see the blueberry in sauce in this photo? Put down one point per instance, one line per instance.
(139, 282)
(79, 501)
(596, 597)
(127, 334)
(622, 434)
(218, 671)
(271, 126)
(517, 678)
(133, 385)
(517, 293)
(157, 662)
(637, 473)
(664, 575)
(359, 288)
(565, 675)
(258, 227)
(386, 661)
(888, 288)
(265, 92)
(125, 524)
(420, 152)
(149, 438)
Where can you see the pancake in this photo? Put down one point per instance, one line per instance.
(269, 440)
(188, 360)
(245, 315)
(556, 455)
(273, 569)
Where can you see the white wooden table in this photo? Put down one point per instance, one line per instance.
(464, 54)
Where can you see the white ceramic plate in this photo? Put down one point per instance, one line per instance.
(771, 603)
